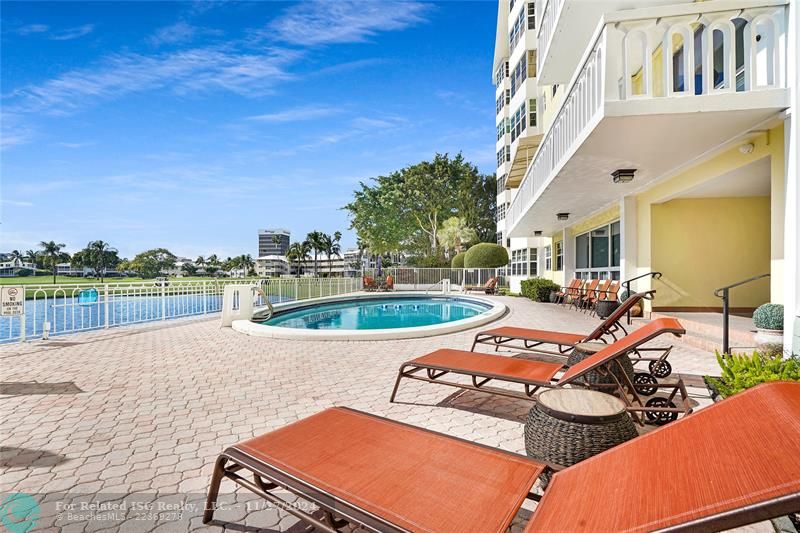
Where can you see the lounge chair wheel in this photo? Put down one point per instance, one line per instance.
(641, 381)
(660, 369)
(661, 417)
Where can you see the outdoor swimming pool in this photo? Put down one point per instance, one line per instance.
(373, 316)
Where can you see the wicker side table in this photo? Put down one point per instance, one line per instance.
(566, 426)
(585, 349)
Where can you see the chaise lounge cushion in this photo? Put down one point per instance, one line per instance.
(709, 463)
(537, 335)
(415, 479)
(507, 368)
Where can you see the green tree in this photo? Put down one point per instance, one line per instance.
(16, 254)
(405, 210)
(150, 263)
(316, 240)
(189, 269)
(298, 251)
(455, 234)
(101, 256)
(52, 255)
(33, 257)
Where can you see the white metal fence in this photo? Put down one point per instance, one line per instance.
(68, 308)
(423, 279)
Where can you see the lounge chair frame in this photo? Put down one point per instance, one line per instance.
(611, 326)
(336, 512)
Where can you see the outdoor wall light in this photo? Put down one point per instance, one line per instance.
(537, 232)
(623, 175)
(562, 216)
(747, 148)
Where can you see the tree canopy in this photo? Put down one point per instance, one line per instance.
(150, 263)
(406, 210)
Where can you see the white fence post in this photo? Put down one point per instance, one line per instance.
(163, 300)
(105, 305)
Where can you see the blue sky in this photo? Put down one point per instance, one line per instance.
(191, 125)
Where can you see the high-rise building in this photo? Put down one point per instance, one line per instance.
(660, 138)
(273, 241)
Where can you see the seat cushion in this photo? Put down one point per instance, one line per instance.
(536, 335)
(416, 479)
(491, 365)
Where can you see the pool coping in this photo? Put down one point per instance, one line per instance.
(495, 311)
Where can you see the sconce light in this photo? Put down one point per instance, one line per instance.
(623, 175)
(747, 148)
(562, 216)
(538, 232)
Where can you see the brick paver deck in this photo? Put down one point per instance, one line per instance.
(139, 414)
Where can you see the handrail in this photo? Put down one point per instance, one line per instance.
(627, 285)
(723, 293)
(718, 292)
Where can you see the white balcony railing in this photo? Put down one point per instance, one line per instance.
(620, 66)
(547, 24)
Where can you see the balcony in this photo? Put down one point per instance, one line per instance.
(565, 30)
(626, 107)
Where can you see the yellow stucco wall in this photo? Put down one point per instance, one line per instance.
(703, 243)
(598, 219)
(769, 144)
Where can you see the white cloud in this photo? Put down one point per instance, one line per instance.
(72, 33)
(32, 28)
(187, 71)
(16, 203)
(180, 32)
(74, 146)
(296, 113)
(343, 21)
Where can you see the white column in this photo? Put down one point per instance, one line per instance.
(628, 237)
(791, 236)
(568, 249)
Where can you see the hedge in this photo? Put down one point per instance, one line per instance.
(769, 316)
(538, 289)
(458, 260)
(486, 255)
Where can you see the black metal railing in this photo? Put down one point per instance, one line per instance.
(627, 286)
(724, 294)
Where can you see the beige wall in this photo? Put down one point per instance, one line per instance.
(703, 243)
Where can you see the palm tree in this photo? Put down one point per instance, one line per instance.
(16, 254)
(32, 256)
(51, 251)
(99, 251)
(454, 233)
(333, 248)
(298, 251)
(316, 239)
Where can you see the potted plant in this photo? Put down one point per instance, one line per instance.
(768, 320)
(606, 307)
(636, 310)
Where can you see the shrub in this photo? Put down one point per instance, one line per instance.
(538, 289)
(458, 260)
(742, 371)
(486, 255)
(769, 316)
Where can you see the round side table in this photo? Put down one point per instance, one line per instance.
(566, 426)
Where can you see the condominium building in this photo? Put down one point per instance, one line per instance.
(664, 142)
(273, 241)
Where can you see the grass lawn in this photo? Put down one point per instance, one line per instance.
(70, 280)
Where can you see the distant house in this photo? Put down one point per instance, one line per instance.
(10, 267)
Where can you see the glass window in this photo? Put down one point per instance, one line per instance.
(532, 112)
(559, 255)
(519, 262)
(616, 244)
(532, 15)
(533, 254)
(582, 251)
(600, 247)
(548, 258)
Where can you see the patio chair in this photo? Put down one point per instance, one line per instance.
(579, 300)
(490, 287)
(533, 339)
(532, 375)
(369, 284)
(593, 296)
(571, 292)
(708, 471)
(562, 292)
(388, 284)
(607, 295)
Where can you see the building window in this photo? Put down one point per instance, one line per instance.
(502, 73)
(597, 253)
(531, 63)
(508, 96)
(517, 31)
(518, 122)
(503, 127)
(502, 209)
(518, 75)
(504, 155)
(519, 262)
(548, 258)
(559, 246)
(500, 238)
(532, 112)
(501, 183)
(533, 269)
(531, 15)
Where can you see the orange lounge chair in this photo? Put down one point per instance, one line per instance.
(369, 283)
(562, 294)
(483, 368)
(490, 287)
(533, 339)
(728, 465)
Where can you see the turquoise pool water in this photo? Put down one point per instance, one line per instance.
(380, 313)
